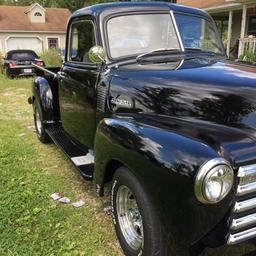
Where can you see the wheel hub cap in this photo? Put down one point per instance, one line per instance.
(129, 218)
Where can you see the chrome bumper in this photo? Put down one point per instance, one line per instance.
(243, 222)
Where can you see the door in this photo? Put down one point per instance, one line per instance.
(78, 78)
(24, 43)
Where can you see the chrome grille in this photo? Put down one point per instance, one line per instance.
(243, 223)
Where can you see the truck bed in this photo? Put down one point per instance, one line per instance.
(46, 71)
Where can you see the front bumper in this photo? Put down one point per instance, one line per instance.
(215, 245)
(243, 249)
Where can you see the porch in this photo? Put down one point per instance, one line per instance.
(236, 21)
(247, 45)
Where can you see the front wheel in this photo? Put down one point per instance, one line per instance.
(136, 223)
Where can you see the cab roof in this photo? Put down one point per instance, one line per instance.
(98, 9)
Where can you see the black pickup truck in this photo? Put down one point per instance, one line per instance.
(146, 100)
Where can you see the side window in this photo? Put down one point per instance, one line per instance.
(82, 38)
(198, 33)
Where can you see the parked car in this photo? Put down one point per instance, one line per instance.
(19, 63)
(165, 117)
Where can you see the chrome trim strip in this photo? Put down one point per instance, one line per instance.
(177, 31)
(245, 205)
(241, 236)
(243, 221)
(246, 189)
(246, 170)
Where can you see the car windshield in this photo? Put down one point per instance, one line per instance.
(198, 33)
(22, 56)
(139, 33)
(135, 34)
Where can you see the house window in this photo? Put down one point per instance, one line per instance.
(82, 39)
(53, 43)
(38, 14)
(252, 25)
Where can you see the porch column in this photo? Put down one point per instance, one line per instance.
(243, 27)
(230, 21)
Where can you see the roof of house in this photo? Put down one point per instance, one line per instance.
(32, 6)
(15, 18)
(202, 3)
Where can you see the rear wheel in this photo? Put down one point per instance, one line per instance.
(39, 125)
(8, 74)
(137, 225)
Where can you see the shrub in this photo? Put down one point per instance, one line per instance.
(51, 57)
(248, 56)
(1, 63)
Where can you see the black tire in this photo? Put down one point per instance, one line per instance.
(153, 238)
(39, 124)
(8, 74)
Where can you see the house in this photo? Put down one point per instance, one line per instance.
(235, 19)
(32, 27)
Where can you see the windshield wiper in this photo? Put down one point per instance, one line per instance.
(160, 50)
(202, 51)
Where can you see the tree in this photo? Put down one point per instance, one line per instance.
(72, 5)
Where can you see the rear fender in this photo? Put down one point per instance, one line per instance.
(42, 93)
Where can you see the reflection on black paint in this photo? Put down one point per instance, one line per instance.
(160, 100)
(223, 109)
(229, 109)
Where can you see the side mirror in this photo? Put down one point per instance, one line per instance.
(97, 54)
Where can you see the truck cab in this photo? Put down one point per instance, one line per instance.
(147, 100)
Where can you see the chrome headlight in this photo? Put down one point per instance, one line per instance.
(214, 181)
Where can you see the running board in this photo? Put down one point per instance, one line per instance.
(82, 159)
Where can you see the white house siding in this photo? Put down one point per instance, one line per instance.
(30, 40)
(37, 19)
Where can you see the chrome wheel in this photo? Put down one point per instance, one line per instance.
(38, 122)
(129, 218)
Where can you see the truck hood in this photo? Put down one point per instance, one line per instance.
(210, 100)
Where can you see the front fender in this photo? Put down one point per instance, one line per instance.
(42, 93)
(166, 163)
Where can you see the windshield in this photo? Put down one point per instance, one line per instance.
(139, 33)
(135, 34)
(198, 33)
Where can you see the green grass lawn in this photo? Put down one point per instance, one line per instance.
(30, 222)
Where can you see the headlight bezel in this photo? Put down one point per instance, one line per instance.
(204, 172)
